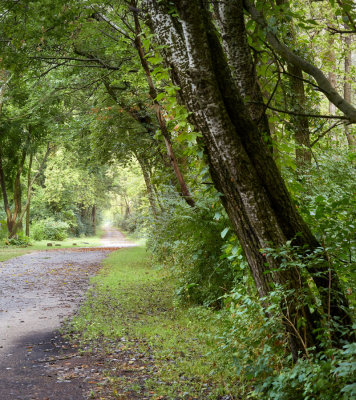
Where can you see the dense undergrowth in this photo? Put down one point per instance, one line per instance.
(200, 253)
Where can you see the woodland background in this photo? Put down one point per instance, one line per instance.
(129, 111)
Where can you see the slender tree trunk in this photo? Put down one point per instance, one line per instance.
(300, 124)
(127, 209)
(297, 103)
(351, 139)
(156, 193)
(17, 223)
(146, 122)
(147, 179)
(160, 118)
(93, 218)
(242, 167)
(29, 188)
(4, 196)
(18, 196)
(331, 76)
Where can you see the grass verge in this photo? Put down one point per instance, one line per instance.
(154, 350)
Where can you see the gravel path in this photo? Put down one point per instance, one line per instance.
(37, 292)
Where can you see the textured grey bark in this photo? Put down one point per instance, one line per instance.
(241, 165)
(230, 18)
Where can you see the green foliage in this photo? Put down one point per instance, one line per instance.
(325, 195)
(188, 242)
(324, 377)
(50, 229)
(328, 203)
(261, 351)
(20, 240)
(3, 229)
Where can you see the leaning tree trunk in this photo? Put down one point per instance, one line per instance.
(230, 18)
(243, 170)
(160, 118)
(149, 188)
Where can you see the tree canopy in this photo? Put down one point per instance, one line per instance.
(224, 131)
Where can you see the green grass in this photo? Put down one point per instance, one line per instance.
(7, 252)
(131, 307)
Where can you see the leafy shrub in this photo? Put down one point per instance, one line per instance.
(20, 240)
(324, 377)
(326, 198)
(50, 229)
(261, 352)
(188, 241)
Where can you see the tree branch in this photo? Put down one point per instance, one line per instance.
(307, 115)
(287, 54)
(321, 135)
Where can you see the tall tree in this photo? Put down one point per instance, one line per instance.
(241, 165)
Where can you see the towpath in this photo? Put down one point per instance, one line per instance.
(37, 292)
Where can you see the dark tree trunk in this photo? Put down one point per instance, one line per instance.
(241, 164)
(146, 122)
(18, 197)
(11, 217)
(17, 219)
(230, 17)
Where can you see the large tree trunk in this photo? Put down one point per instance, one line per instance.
(241, 164)
(230, 17)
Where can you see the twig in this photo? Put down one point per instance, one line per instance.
(321, 135)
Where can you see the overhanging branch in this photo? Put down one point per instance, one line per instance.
(287, 54)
